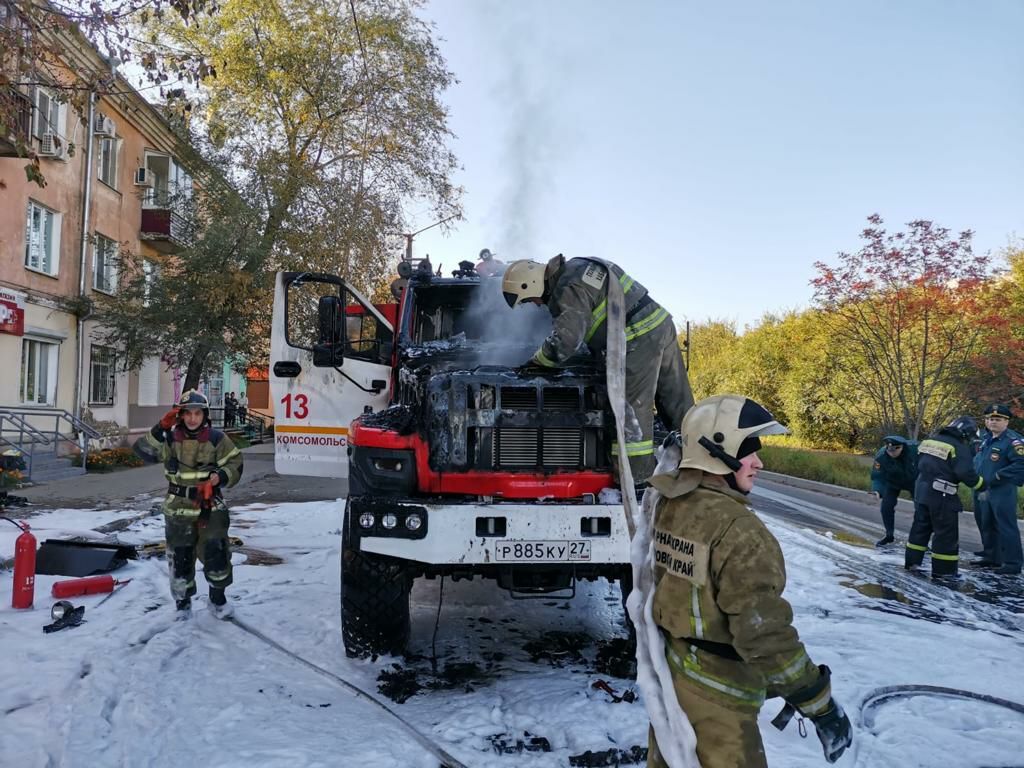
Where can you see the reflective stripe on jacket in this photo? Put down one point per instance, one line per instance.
(720, 576)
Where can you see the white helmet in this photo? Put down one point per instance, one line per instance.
(524, 279)
(719, 431)
(715, 434)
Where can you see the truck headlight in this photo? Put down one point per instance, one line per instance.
(413, 522)
(366, 520)
(389, 520)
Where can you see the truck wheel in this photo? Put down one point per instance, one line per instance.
(374, 604)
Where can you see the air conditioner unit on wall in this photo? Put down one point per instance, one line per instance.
(50, 145)
(143, 178)
(103, 126)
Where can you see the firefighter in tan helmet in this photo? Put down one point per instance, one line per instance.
(575, 292)
(719, 577)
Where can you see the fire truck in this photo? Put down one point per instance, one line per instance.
(461, 462)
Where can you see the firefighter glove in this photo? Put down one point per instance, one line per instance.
(169, 419)
(834, 731)
(204, 493)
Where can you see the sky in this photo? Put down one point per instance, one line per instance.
(131, 686)
(717, 150)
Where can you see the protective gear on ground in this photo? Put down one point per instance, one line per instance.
(524, 279)
(892, 474)
(1000, 462)
(189, 459)
(720, 575)
(576, 294)
(944, 461)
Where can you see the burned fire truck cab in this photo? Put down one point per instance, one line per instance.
(461, 462)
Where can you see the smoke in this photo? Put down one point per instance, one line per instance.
(536, 67)
(503, 330)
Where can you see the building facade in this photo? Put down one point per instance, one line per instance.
(59, 243)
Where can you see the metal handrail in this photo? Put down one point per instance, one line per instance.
(82, 431)
(23, 426)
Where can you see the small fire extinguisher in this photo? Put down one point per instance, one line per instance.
(90, 585)
(24, 568)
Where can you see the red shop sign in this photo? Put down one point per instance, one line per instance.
(12, 312)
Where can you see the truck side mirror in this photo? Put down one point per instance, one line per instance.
(329, 352)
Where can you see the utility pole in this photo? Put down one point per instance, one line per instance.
(408, 237)
(687, 345)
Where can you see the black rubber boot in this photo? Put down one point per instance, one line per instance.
(217, 596)
(887, 539)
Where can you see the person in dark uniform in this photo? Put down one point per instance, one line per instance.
(1000, 461)
(944, 461)
(894, 470)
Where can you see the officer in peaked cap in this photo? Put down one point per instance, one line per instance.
(1000, 460)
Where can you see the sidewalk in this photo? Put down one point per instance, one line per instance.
(130, 486)
(145, 486)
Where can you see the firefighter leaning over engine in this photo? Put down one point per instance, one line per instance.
(575, 292)
(719, 577)
(944, 461)
(199, 462)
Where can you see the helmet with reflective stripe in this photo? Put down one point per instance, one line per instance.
(193, 399)
(719, 431)
(524, 279)
(963, 427)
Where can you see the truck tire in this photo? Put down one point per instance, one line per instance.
(374, 603)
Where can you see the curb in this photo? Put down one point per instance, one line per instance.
(902, 504)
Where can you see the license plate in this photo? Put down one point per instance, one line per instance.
(542, 551)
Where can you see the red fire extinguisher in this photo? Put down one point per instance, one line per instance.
(90, 585)
(24, 568)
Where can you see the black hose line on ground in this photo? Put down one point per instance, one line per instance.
(880, 696)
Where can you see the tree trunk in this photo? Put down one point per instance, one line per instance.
(195, 368)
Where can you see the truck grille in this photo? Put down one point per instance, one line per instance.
(488, 423)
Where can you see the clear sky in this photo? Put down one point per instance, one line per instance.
(717, 150)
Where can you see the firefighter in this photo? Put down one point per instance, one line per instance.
(1000, 461)
(720, 574)
(575, 292)
(894, 470)
(199, 462)
(944, 460)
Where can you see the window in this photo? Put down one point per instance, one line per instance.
(49, 112)
(108, 161)
(104, 264)
(171, 183)
(101, 376)
(38, 372)
(150, 273)
(42, 238)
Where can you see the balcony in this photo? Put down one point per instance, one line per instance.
(166, 230)
(15, 121)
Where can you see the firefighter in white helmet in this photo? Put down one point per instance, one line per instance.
(719, 577)
(575, 292)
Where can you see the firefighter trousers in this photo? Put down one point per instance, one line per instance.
(726, 737)
(655, 379)
(936, 518)
(189, 537)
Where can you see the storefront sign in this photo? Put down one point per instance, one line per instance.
(12, 312)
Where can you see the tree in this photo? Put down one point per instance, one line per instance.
(35, 38)
(901, 315)
(713, 357)
(332, 111)
(208, 302)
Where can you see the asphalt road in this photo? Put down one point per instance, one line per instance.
(854, 512)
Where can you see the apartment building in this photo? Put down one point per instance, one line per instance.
(58, 243)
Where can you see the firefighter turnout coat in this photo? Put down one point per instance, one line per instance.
(576, 295)
(729, 632)
(944, 461)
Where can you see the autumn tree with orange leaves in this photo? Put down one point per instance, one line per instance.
(903, 318)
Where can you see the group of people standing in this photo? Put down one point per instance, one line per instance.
(235, 409)
(989, 461)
